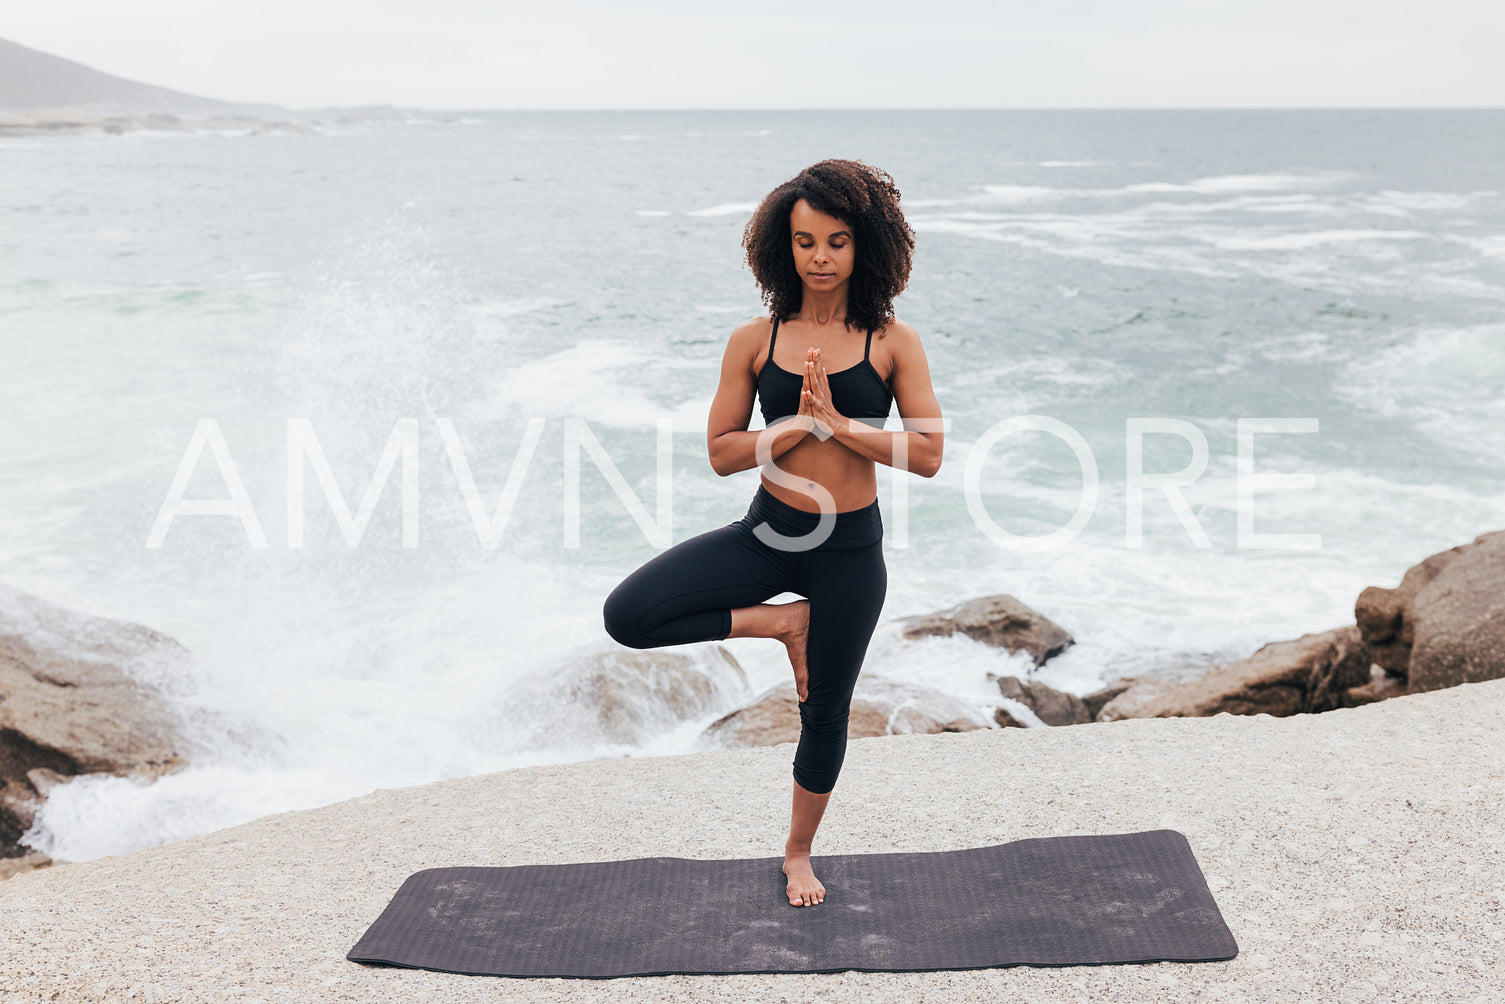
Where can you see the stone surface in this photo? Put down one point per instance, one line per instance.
(24, 863)
(1459, 620)
(1001, 621)
(1005, 720)
(1096, 700)
(879, 707)
(616, 695)
(1051, 706)
(1381, 687)
(80, 695)
(1143, 692)
(1385, 616)
(774, 717)
(1307, 674)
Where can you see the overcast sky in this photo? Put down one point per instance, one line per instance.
(474, 54)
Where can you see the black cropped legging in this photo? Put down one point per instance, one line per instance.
(687, 593)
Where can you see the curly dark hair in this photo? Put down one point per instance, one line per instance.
(861, 196)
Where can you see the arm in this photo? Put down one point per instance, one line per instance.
(915, 451)
(731, 446)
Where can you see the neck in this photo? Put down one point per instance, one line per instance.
(825, 306)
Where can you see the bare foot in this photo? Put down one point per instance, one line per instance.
(804, 888)
(794, 639)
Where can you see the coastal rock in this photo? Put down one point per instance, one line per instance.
(626, 696)
(1051, 706)
(1001, 621)
(1142, 692)
(1006, 720)
(81, 695)
(774, 718)
(1460, 620)
(879, 707)
(1381, 687)
(1385, 616)
(24, 863)
(1098, 699)
(1308, 674)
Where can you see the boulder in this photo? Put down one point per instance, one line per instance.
(1381, 686)
(624, 696)
(879, 707)
(1459, 618)
(1006, 720)
(1132, 701)
(1001, 621)
(1096, 700)
(24, 863)
(1308, 674)
(80, 695)
(774, 717)
(1051, 706)
(1385, 616)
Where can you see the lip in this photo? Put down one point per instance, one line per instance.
(821, 275)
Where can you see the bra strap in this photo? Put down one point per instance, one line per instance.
(773, 337)
(868, 347)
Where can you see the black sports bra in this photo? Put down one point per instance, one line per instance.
(857, 392)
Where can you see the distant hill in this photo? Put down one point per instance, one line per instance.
(32, 80)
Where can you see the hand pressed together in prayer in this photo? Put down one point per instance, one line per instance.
(815, 396)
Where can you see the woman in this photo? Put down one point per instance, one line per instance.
(830, 250)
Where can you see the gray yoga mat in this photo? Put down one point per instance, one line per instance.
(1044, 901)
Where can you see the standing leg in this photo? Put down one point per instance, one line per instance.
(846, 590)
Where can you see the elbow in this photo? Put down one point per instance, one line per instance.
(718, 462)
(721, 464)
(928, 468)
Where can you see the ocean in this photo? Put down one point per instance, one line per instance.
(176, 308)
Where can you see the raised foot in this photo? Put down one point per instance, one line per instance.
(795, 638)
(804, 888)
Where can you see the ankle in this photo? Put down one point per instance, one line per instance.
(794, 851)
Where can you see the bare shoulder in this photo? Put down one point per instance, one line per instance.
(900, 342)
(899, 334)
(747, 340)
(752, 330)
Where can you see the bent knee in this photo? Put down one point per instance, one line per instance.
(622, 618)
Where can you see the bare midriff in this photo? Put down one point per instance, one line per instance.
(850, 477)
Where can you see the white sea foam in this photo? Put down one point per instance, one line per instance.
(1403, 204)
(1306, 239)
(1425, 379)
(513, 308)
(1215, 185)
(724, 209)
(1490, 246)
(1028, 193)
(581, 381)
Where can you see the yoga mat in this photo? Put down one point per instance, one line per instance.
(1043, 901)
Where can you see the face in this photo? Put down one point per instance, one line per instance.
(823, 246)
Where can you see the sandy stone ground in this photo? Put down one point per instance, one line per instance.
(1357, 855)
